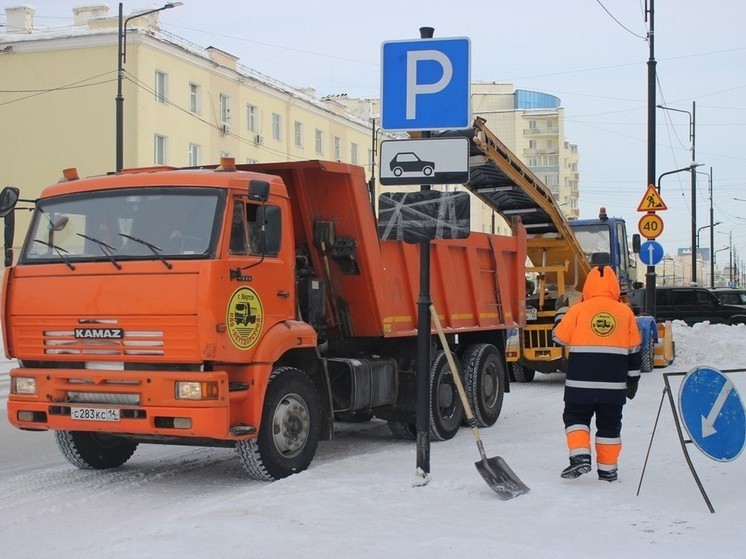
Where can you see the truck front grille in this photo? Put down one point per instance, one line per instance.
(538, 336)
(172, 338)
(134, 343)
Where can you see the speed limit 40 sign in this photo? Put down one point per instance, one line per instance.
(650, 225)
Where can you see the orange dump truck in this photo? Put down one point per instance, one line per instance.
(243, 307)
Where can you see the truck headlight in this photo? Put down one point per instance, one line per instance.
(23, 385)
(192, 390)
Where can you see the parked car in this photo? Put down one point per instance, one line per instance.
(730, 296)
(690, 304)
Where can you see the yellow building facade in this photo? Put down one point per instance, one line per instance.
(183, 105)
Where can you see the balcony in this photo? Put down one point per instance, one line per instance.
(543, 131)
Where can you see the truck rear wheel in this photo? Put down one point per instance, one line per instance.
(94, 451)
(289, 432)
(484, 382)
(404, 431)
(446, 409)
(522, 373)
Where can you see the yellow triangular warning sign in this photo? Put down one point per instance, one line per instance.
(652, 201)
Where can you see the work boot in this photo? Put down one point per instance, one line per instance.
(579, 465)
(608, 475)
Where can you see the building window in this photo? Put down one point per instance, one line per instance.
(298, 128)
(337, 148)
(353, 154)
(276, 127)
(194, 98)
(251, 114)
(159, 149)
(160, 87)
(532, 144)
(319, 140)
(194, 155)
(225, 109)
(532, 124)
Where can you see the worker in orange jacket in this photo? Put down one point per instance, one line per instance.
(602, 372)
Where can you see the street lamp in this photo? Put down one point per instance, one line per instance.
(712, 230)
(121, 59)
(687, 168)
(690, 168)
(720, 250)
(711, 226)
(692, 137)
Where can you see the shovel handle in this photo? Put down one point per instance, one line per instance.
(452, 364)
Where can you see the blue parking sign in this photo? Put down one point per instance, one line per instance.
(425, 84)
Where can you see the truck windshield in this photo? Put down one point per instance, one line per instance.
(125, 224)
(593, 238)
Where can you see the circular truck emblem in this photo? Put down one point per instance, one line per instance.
(603, 324)
(244, 317)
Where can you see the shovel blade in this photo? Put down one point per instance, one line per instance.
(501, 478)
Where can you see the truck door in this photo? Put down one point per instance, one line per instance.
(262, 293)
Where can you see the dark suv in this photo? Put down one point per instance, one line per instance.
(730, 296)
(690, 304)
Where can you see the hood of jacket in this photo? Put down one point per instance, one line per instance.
(601, 282)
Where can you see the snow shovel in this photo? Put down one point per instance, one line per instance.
(495, 471)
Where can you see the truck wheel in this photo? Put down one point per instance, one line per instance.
(94, 451)
(648, 356)
(289, 432)
(404, 431)
(446, 409)
(484, 381)
(523, 374)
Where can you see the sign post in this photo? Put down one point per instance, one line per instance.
(650, 227)
(425, 85)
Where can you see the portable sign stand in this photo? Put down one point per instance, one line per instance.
(706, 396)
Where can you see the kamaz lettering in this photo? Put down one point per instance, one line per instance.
(101, 333)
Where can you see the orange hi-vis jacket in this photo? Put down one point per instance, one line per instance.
(603, 340)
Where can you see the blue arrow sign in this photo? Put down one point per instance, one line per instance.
(713, 413)
(651, 253)
(425, 84)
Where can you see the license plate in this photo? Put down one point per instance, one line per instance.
(94, 414)
(531, 313)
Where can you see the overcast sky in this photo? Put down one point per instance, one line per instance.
(592, 54)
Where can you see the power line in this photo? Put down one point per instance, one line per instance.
(620, 23)
(38, 92)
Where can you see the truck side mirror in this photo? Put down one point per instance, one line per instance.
(636, 243)
(258, 190)
(8, 199)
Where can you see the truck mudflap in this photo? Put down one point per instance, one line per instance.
(188, 404)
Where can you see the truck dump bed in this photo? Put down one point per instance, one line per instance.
(476, 283)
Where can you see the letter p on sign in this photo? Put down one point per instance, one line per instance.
(425, 84)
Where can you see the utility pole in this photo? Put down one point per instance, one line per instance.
(374, 150)
(650, 273)
(694, 196)
(730, 264)
(712, 234)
